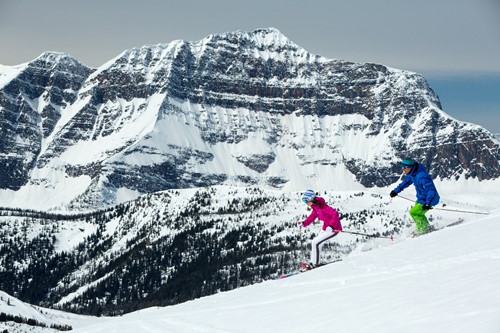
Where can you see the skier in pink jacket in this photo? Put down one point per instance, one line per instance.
(331, 224)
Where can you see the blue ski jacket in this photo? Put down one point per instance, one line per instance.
(426, 191)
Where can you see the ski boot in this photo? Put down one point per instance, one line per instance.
(304, 267)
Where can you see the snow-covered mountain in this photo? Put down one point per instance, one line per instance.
(177, 245)
(443, 281)
(240, 108)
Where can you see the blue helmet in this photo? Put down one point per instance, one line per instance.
(408, 162)
(308, 195)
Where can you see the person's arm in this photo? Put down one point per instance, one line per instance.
(310, 219)
(404, 184)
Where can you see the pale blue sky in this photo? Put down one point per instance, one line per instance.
(455, 44)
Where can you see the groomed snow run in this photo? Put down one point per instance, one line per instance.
(445, 281)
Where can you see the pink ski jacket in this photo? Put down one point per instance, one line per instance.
(327, 214)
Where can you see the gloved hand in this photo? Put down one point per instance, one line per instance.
(300, 224)
(393, 194)
(426, 207)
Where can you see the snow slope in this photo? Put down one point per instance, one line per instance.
(444, 281)
(14, 307)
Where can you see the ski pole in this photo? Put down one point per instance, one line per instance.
(448, 210)
(362, 234)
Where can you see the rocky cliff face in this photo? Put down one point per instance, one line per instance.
(30, 107)
(238, 108)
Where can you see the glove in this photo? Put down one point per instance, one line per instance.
(426, 207)
(300, 224)
(393, 194)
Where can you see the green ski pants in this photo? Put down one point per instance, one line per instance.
(418, 215)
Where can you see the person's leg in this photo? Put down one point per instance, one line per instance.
(418, 215)
(318, 241)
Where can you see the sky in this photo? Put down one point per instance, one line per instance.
(455, 44)
(433, 283)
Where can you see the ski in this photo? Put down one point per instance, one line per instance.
(434, 229)
(286, 275)
(460, 221)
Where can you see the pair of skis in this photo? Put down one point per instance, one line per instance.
(284, 276)
(434, 229)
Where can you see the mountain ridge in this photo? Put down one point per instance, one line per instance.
(248, 108)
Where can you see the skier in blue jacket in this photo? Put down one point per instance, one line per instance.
(427, 195)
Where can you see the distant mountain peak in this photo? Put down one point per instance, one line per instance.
(257, 33)
(260, 39)
(234, 108)
(53, 56)
(59, 62)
